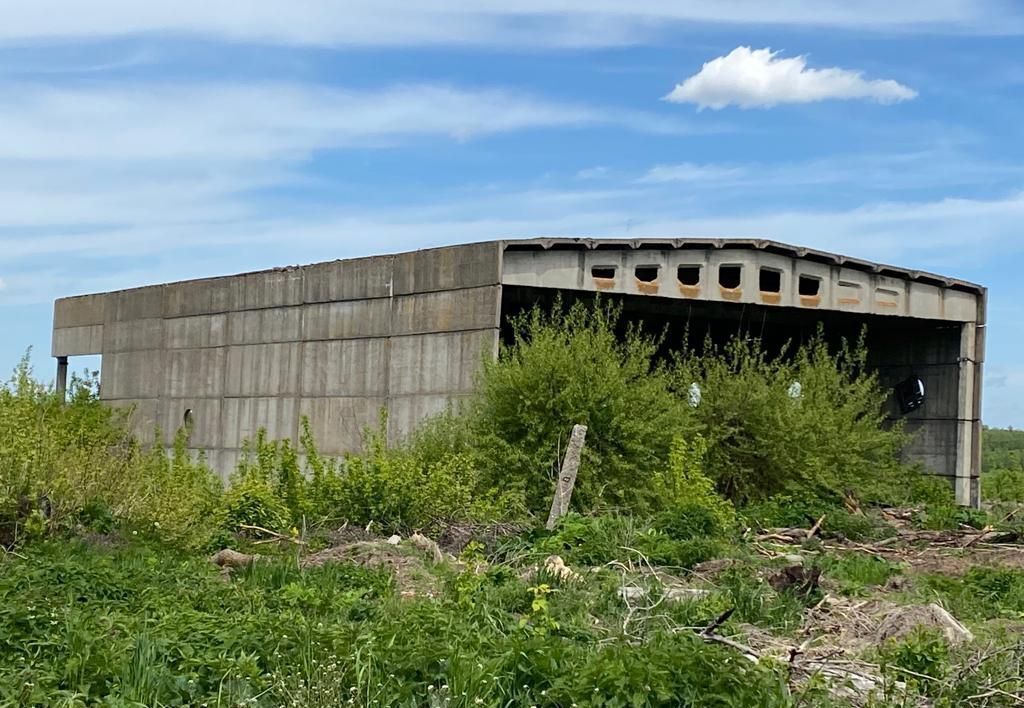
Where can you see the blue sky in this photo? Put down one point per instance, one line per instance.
(142, 142)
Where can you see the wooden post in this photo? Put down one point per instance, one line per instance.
(567, 478)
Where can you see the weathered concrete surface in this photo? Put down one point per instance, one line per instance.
(339, 341)
(261, 350)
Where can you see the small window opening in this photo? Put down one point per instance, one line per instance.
(646, 274)
(771, 281)
(602, 272)
(187, 418)
(730, 276)
(688, 275)
(809, 287)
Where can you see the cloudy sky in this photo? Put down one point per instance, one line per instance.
(148, 141)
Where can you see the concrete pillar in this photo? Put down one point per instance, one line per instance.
(968, 449)
(62, 376)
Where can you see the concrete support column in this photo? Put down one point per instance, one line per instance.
(968, 467)
(62, 376)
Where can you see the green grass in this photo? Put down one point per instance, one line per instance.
(138, 625)
(858, 573)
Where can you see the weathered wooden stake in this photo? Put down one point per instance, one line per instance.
(567, 478)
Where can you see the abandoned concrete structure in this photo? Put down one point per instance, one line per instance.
(339, 341)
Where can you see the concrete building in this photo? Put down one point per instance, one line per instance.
(339, 341)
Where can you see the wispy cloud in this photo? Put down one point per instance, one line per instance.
(598, 172)
(760, 78)
(502, 22)
(263, 121)
(691, 172)
(939, 167)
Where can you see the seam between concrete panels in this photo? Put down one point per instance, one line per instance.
(207, 313)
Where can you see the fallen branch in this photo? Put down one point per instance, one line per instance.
(276, 536)
(817, 527)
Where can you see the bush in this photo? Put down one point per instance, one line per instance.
(804, 510)
(178, 496)
(598, 540)
(692, 506)
(924, 653)
(72, 461)
(1003, 486)
(767, 435)
(571, 367)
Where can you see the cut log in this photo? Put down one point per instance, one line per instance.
(229, 558)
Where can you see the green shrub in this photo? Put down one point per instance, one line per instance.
(693, 507)
(252, 500)
(597, 540)
(950, 517)
(1003, 485)
(804, 510)
(766, 436)
(1002, 450)
(69, 462)
(178, 495)
(589, 540)
(570, 367)
(923, 653)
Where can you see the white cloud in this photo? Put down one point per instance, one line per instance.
(485, 23)
(759, 78)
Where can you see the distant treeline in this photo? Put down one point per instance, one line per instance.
(1003, 449)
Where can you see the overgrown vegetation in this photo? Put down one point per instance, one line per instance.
(107, 596)
(1003, 465)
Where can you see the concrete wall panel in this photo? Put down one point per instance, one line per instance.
(143, 417)
(338, 423)
(133, 375)
(133, 335)
(406, 413)
(77, 341)
(280, 324)
(347, 320)
(241, 418)
(136, 304)
(934, 444)
(196, 332)
(198, 297)
(351, 367)
(447, 311)
(356, 279)
(80, 311)
(447, 268)
(193, 372)
(273, 288)
(264, 369)
(438, 363)
(205, 434)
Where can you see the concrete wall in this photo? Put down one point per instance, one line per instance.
(333, 341)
